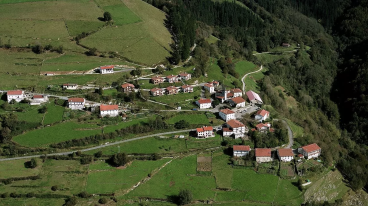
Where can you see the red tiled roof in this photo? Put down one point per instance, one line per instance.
(225, 129)
(241, 148)
(300, 155)
(236, 90)
(157, 77)
(204, 101)
(285, 152)
(238, 100)
(202, 129)
(75, 99)
(69, 85)
(107, 67)
(263, 112)
(272, 129)
(127, 85)
(230, 94)
(263, 152)
(171, 76)
(186, 86)
(156, 89)
(14, 92)
(37, 96)
(227, 111)
(311, 147)
(104, 107)
(252, 95)
(253, 129)
(260, 125)
(214, 82)
(234, 123)
(171, 88)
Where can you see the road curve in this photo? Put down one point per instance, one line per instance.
(290, 133)
(247, 75)
(100, 146)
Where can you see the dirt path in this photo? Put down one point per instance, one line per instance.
(247, 75)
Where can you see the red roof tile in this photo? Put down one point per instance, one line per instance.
(236, 90)
(225, 129)
(241, 148)
(186, 86)
(156, 89)
(37, 96)
(107, 67)
(157, 78)
(127, 85)
(171, 76)
(75, 99)
(263, 112)
(202, 129)
(230, 94)
(14, 92)
(238, 100)
(171, 88)
(104, 107)
(285, 152)
(227, 111)
(260, 125)
(311, 147)
(204, 101)
(235, 123)
(263, 152)
(253, 96)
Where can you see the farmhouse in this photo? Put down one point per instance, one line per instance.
(171, 90)
(310, 151)
(237, 102)
(185, 76)
(204, 103)
(227, 114)
(127, 87)
(186, 88)
(107, 69)
(17, 95)
(172, 79)
(285, 155)
(209, 87)
(157, 80)
(236, 92)
(236, 128)
(76, 103)
(253, 98)
(263, 155)
(241, 150)
(157, 92)
(263, 127)
(109, 110)
(262, 115)
(38, 99)
(205, 132)
(70, 86)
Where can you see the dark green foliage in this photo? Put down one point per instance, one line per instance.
(84, 195)
(182, 124)
(71, 201)
(98, 154)
(185, 197)
(102, 201)
(119, 159)
(54, 188)
(42, 110)
(107, 16)
(33, 163)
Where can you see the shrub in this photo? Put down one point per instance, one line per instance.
(54, 188)
(83, 195)
(185, 197)
(71, 201)
(102, 201)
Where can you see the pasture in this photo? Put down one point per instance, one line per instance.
(251, 81)
(16, 168)
(243, 67)
(298, 131)
(200, 118)
(54, 113)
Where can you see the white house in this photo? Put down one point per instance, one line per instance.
(204, 103)
(254, 98)
(157, 92)
(186, 88)
(172, 79)
(236, 92)
(127, 87)
(185, 76)
(107, 69)
(205, 132)
(263, 155)
(76, 103)
(236, 128)
(310, 151)
(262, 115)
(38, 99)
(110, 110)
(209, 87)
(263, 127)
(241, 150)
(285, 155)
(17, 95)
(227, 114)
(70, 86)
(171, 90)
(237, 102)
(157, 80)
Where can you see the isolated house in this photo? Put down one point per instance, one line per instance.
(234, 127)
(172, 79)
(285, 155)
(237, 102)
(157, 80)
(263, 155)
(205, 132)
(109, 110)
(263, 127)
(127, 87)
(253, 98)
(107, 69)
(209, 87)
(241, 150)
(204, 103)
(310, 151)
(186, 88)
(157, 92)
(38, 99)
(185, 76)
(70, 86)
(262, 115)
(171, 90)
(17, 95)
(76, 103)
(236, 92)
(227, 114)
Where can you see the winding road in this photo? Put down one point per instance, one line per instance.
(247, 75)
(290, 133)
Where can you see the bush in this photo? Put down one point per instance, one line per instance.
(102, 201)
(54, 188)
(83, 195)
(42, 109)
(185, 197)
(70, 201)
(98, 154)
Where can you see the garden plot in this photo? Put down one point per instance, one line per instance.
(204, 164)
(286, 170)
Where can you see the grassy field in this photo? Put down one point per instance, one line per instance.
(243, 67)
(107, 179)
(298, 131)
(31, 115)
(212, 39)
(121, 125)
(251, 80)
(185, 100)
(288, 193)
(191, 118)
(16, 169)
(54, 113)
(76, 27)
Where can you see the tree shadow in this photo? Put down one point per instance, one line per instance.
(27, 164)
(173, 198)
(101, 18)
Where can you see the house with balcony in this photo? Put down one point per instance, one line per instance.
(157, 92)
(310, 151)
(127, 87)
(106, 69)
(241, 150)
(205, 132)
(76, 103)
(17, 95)
(227, 114)
(186, 88)
(109, 110)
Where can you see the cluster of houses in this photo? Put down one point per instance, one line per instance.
(19, 95)
(285, 155)
(171, 78)
(171, 90)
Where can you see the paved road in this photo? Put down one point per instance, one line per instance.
(247, 75)
(290, 133)
(100, 146)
